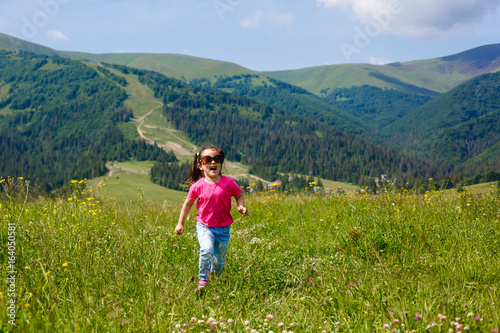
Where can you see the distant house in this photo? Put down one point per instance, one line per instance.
(272, 185)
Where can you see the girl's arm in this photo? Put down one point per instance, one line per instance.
(240, 201)
(186, 207)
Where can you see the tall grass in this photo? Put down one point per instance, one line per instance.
(353, 263)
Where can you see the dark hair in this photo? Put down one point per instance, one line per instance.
(194, 171)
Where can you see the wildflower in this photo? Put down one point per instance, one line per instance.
(281, 325)
(65, 264)
(470, 314)
(193, 319)
(385, 327)
(396, 321)
(459, 327)
(295, 306)
(391, 313)
(269, 317)
(337, 323)
(418, 316)
(246, 323)
(230, 321)
(494, 330)
(292, 325)
(477, 318)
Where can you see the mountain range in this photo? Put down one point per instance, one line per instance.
(443, 110)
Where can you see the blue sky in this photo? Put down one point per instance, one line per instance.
(258, 34)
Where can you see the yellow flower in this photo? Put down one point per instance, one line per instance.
(20, 178)
(1, 181)
(26, 305)
(65, 264)
(48, 272)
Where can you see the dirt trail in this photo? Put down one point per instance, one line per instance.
(233, 170)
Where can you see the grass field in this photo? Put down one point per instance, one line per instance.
(131, 181)
(351, 263)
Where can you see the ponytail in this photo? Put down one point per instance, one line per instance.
(194, 171)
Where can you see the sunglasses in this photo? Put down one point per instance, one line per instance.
(209, 159)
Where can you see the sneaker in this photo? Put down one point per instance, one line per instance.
(201, 285)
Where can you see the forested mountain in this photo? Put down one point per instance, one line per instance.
(424, 77)
(287, 97)
(459, 125)
(58, 120)
(350, 109)
(428, 77)
(271, 140)
(336, 122)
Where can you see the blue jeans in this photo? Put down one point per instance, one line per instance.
(213, 247)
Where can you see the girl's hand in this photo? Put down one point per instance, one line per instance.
(179, 229)
(243, 210)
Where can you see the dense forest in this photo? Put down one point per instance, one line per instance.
(287, 97)
(374, 107)
(273, 141)
(58, 121)
(458, 125)
(370, 108)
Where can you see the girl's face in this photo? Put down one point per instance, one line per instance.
(208, 164)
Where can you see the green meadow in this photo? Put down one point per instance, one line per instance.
(399, 262)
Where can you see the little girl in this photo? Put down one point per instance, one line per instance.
(214, 192)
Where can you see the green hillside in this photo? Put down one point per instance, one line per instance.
(458, 125)
(290, 98)
(173, 65)
(60, 120)
(269, 126)
(14, 44)
(425, 77)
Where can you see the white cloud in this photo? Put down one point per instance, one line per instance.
(418, 18)
(256, 19)
(378, 61)
(57, 35)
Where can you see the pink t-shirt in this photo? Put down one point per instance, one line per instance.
(214, 201)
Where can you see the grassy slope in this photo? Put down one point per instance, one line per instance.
(338, 263)
(171, 65)
(438, 75)
(427, 76)
(130, 181)
(10, 43)
(128, 177)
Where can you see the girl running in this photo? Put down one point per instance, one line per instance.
(214, 192)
